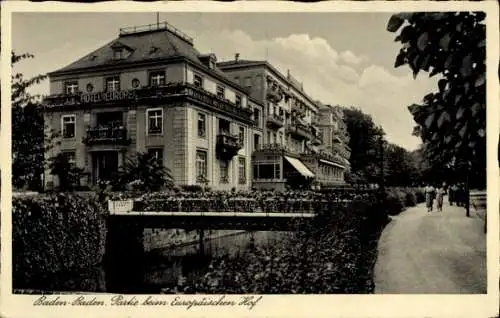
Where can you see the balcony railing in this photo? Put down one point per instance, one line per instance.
(275, 120)
(171, 92)
(274, 148)
(107, 135)
(227, 146)
(274, 95)
(300, 131)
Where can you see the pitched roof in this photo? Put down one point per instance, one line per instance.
(142, 46)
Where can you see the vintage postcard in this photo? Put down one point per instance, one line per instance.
(250, 159)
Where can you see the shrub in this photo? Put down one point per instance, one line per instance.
(420, 195)
(192, 188)
(53, 235)
(395, 201)
(143, 172)
(410, 198)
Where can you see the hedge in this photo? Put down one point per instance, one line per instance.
(398, 199)
(335, 254)
(56, 236)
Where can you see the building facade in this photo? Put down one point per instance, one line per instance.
(150, 90)
(291, 152)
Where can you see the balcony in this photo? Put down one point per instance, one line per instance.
(227, 146)
(107, 135)
(172, 93)
(274, 95)
(300, 131)
(275, 121)
(272, 148)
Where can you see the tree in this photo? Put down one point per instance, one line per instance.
(400, 167)
(365, 145)
(451, 121)
(68, 174)
(29, 138)
(143, 172)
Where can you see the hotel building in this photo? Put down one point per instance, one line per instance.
(296, 148)
(150, 90)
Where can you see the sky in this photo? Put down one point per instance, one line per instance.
(341, 58)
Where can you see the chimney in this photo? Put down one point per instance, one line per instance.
(236, 57)
(288, 73)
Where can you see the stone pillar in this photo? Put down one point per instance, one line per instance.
(124, 256)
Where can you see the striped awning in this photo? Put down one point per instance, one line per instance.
(300, 167)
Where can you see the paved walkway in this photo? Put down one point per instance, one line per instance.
(435, 254)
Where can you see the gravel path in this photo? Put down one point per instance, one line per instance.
(434, 254)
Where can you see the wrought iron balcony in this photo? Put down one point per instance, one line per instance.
(272, 148)
(274, 95)
(227, 146)
(275, 121)
(170, 93)
(300, 130)
(107, 135)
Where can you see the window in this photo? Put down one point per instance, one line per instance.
(242, 171)
(68, 126)
(157, 78)
(238, 100)
(113, 84)
(201, 165)
(237, 79)
(224, 172)
(269, 141)
(280, 141)
(202, 125)
(256, 141)
(71, 157)
(156, 153)
(241, 135)
(247, 82)
(155, 121)
(269, 169)
(71, 87)
(198, 81)
(221, 92)
(118, 54)
(256, 116)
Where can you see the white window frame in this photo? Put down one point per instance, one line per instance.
(204, 116)
(73, 85)
(236, 97)
(241, 135)
(201, 80)
(223, 91)
(157, 75)
(198, 161)
(147, 121)
(115, 89)
(73, 122)
(156, 151)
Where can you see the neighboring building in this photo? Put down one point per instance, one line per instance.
(290, 153)
(150, 90)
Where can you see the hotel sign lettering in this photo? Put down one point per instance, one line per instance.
(106, 97)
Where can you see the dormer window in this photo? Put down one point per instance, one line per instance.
(118, 54)
(157, 78)
(120, 51)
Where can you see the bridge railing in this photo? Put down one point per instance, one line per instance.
(230, 205)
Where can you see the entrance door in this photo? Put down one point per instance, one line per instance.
(105, 165)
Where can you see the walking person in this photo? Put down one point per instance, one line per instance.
(440, 192)
(429, 197)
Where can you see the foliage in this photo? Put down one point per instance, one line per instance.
(451, 121)
(400, 167)
(334, 255)
(30, 139)
(365, 146)
(68, 174)
(143, 172)
(395, 201)
(54, 234)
